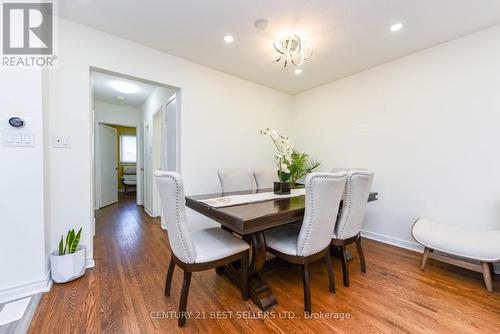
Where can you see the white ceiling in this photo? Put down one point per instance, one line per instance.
(104, 92)
(348, 36)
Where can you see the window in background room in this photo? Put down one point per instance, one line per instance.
(128, 149)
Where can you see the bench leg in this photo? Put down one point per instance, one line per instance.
(427, 251)
(487, 276)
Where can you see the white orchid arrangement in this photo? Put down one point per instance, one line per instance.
(284, 155)
(292, 164)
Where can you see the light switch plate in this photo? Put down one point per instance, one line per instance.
(61, 141)
(18, 138)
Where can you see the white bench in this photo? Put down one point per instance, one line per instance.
(470, 244)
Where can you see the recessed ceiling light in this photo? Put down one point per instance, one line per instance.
(396, 27)
(228, 39)
(124, 87)
(298, 71)
(120, 98)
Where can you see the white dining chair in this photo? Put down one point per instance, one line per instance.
(311, 241)
(195, 251)
(265, 177)
(350, 220)
(236, 179)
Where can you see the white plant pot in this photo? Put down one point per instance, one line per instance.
(66, 268)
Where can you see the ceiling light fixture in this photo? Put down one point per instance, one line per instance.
(292, 49)
(396, 27)
(298, 71)
(124, 87)
(228, 39)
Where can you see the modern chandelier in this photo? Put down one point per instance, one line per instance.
(292, 49)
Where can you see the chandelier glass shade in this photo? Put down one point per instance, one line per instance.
(292, 49)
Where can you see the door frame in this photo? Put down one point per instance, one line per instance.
(155, 200)
(141, 144)
(92, 139)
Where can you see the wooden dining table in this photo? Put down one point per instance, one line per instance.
(250, 220)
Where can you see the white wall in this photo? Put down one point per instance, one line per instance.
(221, 118)
(116, 114)
(22, 238)
(427, 124)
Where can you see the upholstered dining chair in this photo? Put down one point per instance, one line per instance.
(350, 220)
(236, 179)
(311, 241)
(202, 250)
(265, 177)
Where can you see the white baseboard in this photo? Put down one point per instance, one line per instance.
(25, 290)
(386, 239)
(89, 263)
(410, 245)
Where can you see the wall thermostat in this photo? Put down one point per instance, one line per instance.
(16, 122)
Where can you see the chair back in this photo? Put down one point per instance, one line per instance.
(236, 179)
(129, 170)
(323, 195)
(265, 177)
(171, 189)
(355, 198)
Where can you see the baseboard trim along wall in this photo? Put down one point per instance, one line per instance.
(89, 263)
(386, 239)
(410, 245)
(26, 290)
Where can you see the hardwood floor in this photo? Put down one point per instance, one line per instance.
(124, 292)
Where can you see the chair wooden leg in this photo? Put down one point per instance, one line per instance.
(168, 282)
(487, 276)
(184, 297)
(244, 276)
(345, 265)
(331, 278)
(361, 255)
(427, 251)
(307, 290)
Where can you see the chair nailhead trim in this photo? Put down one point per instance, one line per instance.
(349, 203)
(309, 224)
(184, 243)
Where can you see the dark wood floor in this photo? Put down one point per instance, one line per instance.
(124, 292)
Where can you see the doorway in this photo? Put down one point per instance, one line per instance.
(139, 107)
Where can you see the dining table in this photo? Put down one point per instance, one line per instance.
(250, 220)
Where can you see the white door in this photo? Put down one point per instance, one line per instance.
(170, 137)
(148, 183)
(140, 164)
(157, 159)
(108, 141)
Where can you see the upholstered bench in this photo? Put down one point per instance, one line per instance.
(466, 243)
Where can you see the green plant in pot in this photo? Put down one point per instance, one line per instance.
(68, 262)
(292, 165)
(300, 166)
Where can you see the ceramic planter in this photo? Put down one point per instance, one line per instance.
(66, 268)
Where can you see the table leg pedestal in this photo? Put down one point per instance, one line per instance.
(258, 289)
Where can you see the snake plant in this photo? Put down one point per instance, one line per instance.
(72, 241)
